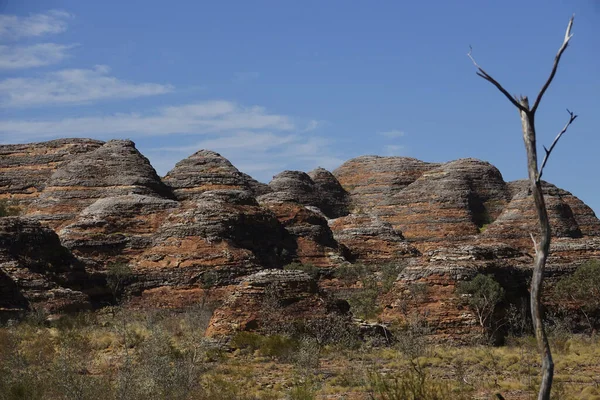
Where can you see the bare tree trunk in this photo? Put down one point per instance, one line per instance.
(542, 249)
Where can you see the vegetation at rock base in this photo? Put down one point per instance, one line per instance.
(8, 209)
(482, 294)
(117, 274)
(307, 268)
(118, 353)
(581, 291)
(372, 281)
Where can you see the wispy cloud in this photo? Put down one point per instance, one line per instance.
(260, 154)
(312, 125)
(393, 134)
(246, 140)
(14, 27)
(73, 86)
(256, 140)
(198, 118)
(393, 150)
(37, 55)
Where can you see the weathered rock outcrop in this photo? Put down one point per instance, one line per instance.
(334, 200)
(371, 240)
(25, 168)
(206, 170)
(36, 271)
(518, 219)
(272, 299)
(323, 192)
(369, 179)
(118, 227)
(450, 203)
(224, 232)
(207, 227)
(115, 169)
(309, 239)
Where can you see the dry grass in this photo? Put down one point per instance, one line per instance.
(117, 354)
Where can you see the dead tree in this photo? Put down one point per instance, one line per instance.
(542, 245)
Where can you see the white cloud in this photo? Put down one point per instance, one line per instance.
(260, 154)
(312, 125)
(244, 140)
(73, 86)
(393, 134)
(393, 150)
(199, 118)
(14, 27)
(37, 55)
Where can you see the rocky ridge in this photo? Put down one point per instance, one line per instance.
(208, 226)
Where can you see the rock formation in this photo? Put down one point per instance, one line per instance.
(25, 168)
(206, 170)
(368, 179)
(208, 228)
(114, 169)
(269, 300)
(309, 239)
(371, 240)
(36, 271)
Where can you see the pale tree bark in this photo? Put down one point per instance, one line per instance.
(542, 246)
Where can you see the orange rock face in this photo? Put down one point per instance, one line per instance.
(25, 168)
(273, 297)
(36, 272)
(114, 169)
(371, 240)
(207, 225)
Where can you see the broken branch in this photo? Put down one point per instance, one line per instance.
(488, 78)
(563, 47)
(572, 117)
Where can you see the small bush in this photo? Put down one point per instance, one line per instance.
(308, 268)
(248, 341)
(412, 384)
(282, 348)
(9, 209)
(582, 289)
(117, 275)
(374, 281)
(482, 294)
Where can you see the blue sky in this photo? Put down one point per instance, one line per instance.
(276, 85)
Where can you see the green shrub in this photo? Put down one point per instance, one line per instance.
(307, 268)
(8, 209)
(583, 289)
(280, 347)
(482, 294)
(374, 280)
(117, 275)
(412, 384)
(248, 341)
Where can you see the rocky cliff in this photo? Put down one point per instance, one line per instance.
(207, 227)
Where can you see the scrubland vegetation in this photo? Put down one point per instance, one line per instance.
(115, 353)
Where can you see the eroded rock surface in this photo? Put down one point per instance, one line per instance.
(116, 168)
(308, 236)
(209, 228)
(369, 179)
(207, 170)
(36, 271)
(371, 240)
(271, 299)
(26, 168)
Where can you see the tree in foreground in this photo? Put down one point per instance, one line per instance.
(483, 295)
(535, 171)
(583, 289)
